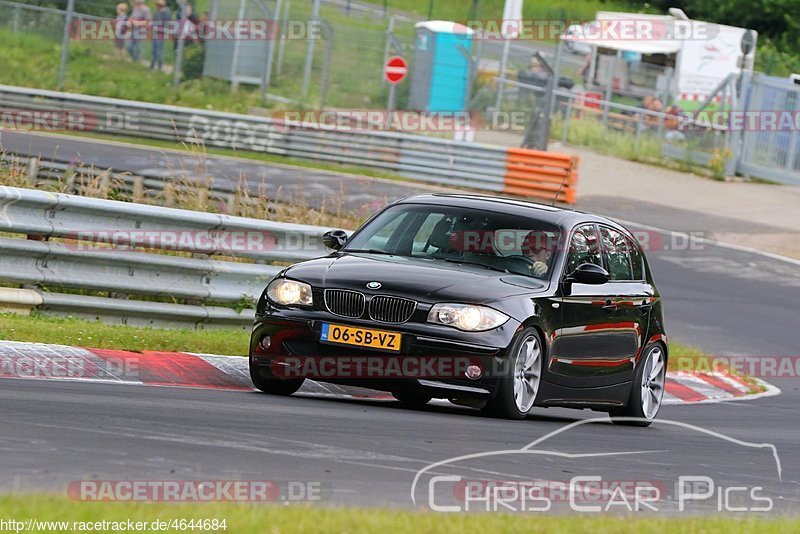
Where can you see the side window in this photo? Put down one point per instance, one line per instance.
(583, 248)
(617, 253)
(637, 261)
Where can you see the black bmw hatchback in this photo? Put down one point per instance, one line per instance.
(494, 303)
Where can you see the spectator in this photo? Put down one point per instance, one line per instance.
(189, 25)
(585, 70)
(673, 123)
(140, 19)
(180, 10)
(655, 105)
(121, 28)
(534, 75)
(160, 20)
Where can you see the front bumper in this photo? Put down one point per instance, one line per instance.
(431, 361)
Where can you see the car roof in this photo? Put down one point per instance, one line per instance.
(563, 217)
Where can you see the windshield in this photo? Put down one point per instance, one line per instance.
(497, 241)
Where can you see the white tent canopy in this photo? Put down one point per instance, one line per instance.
(611, 29)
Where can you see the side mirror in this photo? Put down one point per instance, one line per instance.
(334, 239)
(588, 273)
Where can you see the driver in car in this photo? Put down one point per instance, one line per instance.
(536, 246)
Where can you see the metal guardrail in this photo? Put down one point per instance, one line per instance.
(423, 158)
(134, 251)
(71, 176)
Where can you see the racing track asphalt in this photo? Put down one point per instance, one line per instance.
(726, 301)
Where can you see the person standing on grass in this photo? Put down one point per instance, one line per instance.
(140, 19)
(121, 28)
(160, 21)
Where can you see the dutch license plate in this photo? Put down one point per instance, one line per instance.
(360, 337)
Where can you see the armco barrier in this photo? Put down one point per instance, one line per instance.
(541, 174)
(428, 159)
(159, 252)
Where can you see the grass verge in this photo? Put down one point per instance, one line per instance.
(253, 518)
(76, 332)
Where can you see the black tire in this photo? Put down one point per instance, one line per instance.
(264, 381)
(415, 400)
(504, 403)
(635, 409)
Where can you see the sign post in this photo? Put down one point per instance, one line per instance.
(395, 71)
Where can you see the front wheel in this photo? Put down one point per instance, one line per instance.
(517, 388)
(647, 392)
(265, 381)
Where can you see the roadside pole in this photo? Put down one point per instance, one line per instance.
(512, 14)
(62, 66)
(176, 69)
(310, 50)
(283, 31)
(501, 82)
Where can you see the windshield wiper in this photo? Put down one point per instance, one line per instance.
(490, 267)
(372, 251)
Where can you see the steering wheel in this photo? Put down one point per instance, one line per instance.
(525, 269)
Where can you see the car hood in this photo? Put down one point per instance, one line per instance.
(419, 278)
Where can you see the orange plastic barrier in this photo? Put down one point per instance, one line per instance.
(543, 175)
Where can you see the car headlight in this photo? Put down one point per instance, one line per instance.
(289, 292)
(466, 317)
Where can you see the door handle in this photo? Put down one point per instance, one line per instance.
(645, 306)
(610, 306)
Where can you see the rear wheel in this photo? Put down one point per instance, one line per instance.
(264, 380)
(415, 400)
(647, 392)
(517, 389)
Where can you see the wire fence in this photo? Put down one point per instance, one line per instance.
(330, 54)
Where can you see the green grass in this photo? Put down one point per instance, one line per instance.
(76, 332)
(591, 133)
(300, 519)
(460, 10)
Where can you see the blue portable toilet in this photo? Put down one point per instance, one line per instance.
(440, 75)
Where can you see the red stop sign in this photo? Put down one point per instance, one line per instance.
(395, 69)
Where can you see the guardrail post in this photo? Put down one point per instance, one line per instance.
(105, 183)
(138, 189)
(169, 195)
(69, 180)
(202, 198)
(33, 170)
